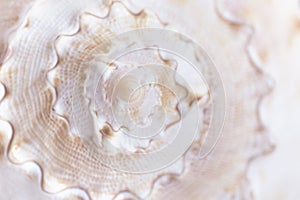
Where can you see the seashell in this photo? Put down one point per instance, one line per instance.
(114, 100)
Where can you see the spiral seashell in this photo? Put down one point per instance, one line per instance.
(130, 100)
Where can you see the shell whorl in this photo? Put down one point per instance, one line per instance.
(77, 85)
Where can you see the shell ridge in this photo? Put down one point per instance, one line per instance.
(268, 87)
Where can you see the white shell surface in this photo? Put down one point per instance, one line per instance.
(56, 109)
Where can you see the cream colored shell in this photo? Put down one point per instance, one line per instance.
(56, 104)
